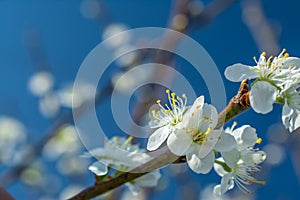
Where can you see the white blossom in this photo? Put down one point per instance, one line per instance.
(238, 165)
(166, 119)
(271, 75)
(12, 137)
(291, 108)
(196, 138)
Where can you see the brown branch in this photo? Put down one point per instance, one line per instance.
(237, 105)
(4, 195)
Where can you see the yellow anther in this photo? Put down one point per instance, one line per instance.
(184, 95)
(258, 141)
(158, 101)
(129, 139)
(286, 55)
(206, 117)
(234, 123)
(257, 181)
(155, 121)
(173, 94)
(208, 131)
(167, 111)
(269, 60)
(116, 138)
(264, 53)
(153, 112)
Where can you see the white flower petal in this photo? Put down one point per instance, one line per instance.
(98, 168)
(209, 118)
(209, 144)
(201, 166)
(291, 62)
(245, 136)
(217, 190)
(296, 122)
(192, 117)
(179, 142)
(226, 143)
(249, 135)
(286, 114)
(97, 152)
(198, 103)
(253, 158)
(262, 97)
(231, 157)
(290, 118)
(157, 138)
(226, 183)
(154, 124)
(239, 72)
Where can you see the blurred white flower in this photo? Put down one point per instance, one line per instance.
(12, 136)
(114, 30)
(70, 164)
(196, 136)
(120, 154)
(49, 104)
(126, 81)
(65, 141)
(71, 98)
(33, 175)
(166, 119)
(41, 83)
(117, 153)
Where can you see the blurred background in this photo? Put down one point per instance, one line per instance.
(42, 45)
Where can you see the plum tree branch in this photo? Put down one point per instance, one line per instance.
(238, 104)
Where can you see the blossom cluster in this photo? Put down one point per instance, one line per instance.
(277, 80)
(192, 131)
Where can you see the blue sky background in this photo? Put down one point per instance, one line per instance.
(67, 37)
